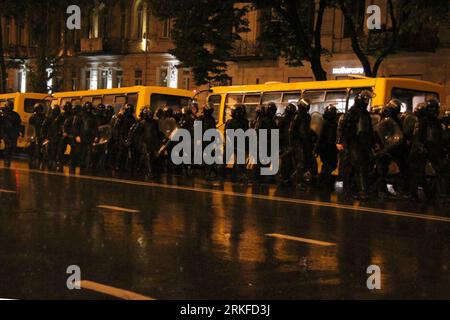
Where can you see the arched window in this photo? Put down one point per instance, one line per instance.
(140, 21)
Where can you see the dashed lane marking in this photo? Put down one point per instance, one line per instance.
(305, 240)
(114, 208)
(112, 291)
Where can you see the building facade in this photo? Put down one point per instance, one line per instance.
(122, 44)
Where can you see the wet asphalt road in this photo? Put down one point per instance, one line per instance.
(186, 239)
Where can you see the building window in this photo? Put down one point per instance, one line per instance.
(138, 77)
(119, 78)
(163, 75)
(19, 34)
(140, 21)
(74, 81)
(7, 32)
(87, 82)
(166, 29)
(103, 79)
(22, 80)
(186, 79)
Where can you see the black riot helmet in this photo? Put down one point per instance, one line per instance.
(146, 114)
(235, 112)
(67, 107)
(433, 107)
(168, 112)
(101, 108)
(38, 108)
(304, 105)
(77, 108)
(271, 109)
(394, 107)
(290, 110)
(9, 106)
(208, 110)
(421, 110)
(129, 109)
(160, 113)
(330, 112)
(55, 111)
(88, 107)
(362, 99)
(241, 111)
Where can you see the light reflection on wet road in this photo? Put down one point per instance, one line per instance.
(178, 243)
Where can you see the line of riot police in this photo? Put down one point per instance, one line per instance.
(100, 140)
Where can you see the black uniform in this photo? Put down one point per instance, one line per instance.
(36, 122)
(86, 133)
(326, 146)
(301, 141)
(208, 122)
(53, 134)
(356, 134)
(145, 138)
(286, 152)
(120, 130)
(238, 121)
(65, 120)
(11, 123)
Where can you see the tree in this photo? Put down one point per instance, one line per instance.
(292, 29)
(405, 19)
(204, 33)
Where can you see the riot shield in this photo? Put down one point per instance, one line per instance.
(104, 135)
(316, 122)
(390, 133)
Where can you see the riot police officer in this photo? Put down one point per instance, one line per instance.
(53, 134)
(121, 129)
(208, 122)
(65, 120)
(355, 139)
(11, 131)
(145, 138)
(286, 152)
(266, 121)
(301, 141)
(326, 146)
(390, 140)
(238, 121)
(86, 133)
(37, 138)
(187, 122)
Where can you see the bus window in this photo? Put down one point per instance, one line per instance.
(251, 102)
(336, 98)
(109, 99)
(288, 97)
(161, 100)
(2, 103)
(317, 99)
(64, 100)
(119, 102)
(231, 100)
(96, 101)
(353, 93)
(76, 101)
(411, 98)
(214, 101)
(28, 104)
(132, 98)
(86, 99)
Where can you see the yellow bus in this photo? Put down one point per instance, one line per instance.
(23, 105)
(139, 96)
(340, 93)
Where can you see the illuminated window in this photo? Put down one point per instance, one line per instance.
(166, 29)
(138, 77)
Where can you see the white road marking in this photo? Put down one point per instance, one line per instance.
(305, 240)
(114, 208)
(7, 191)
(112, 291)
(249, 196)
